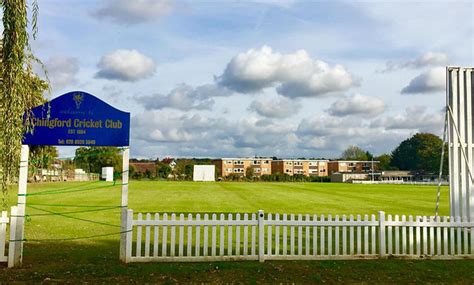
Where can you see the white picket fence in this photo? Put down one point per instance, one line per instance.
(212, 237)
(4, 221)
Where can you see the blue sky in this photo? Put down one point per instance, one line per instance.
(244, 78)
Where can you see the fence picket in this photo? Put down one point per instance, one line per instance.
(329, 236)
(189, 244)
(213, 238)
(366, 236)
(359, 237)
(285, 237)
(344, 236)
(181, 237)
(451, 232)
(139, 237)
(147, 236)
(307, 244)
(269, 235)
(292, 236)
(404, 236)
(397, 237)
(431, 233)
(465, 239)
(156, 236)
(389, 236)
(205, 238)
(472, 240)
(418, 238)
(237, 236)
(374, 236)
(254, 232)
(445, 237)
(221, 236)
(336, 237)
(229, 236)
(198, 237)
(277, 236)
(246, 235)
(351, 236)
(458, 236)
(173, 236)
(315, 236)
(322, 238)
(3, 233)
(164, 239)
(300, 236)
(425, 236)
(438, 238)
(410, 235)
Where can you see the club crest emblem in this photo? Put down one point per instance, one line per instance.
(78, 98)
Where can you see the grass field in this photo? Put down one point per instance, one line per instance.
(96, 259)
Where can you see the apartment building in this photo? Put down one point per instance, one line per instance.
(354, 166)
(300, 166)
(227, 166)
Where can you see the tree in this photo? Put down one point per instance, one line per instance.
(93, 159)
(385, 160)
(354, 153)
(20, 89)
(249, 173)
(421, 153)
(163, 170)
(42, 156)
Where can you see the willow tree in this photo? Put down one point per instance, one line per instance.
(20, 90)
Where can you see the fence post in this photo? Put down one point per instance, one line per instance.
(12, 242)
(20, 210)
(129, 236)
(261, 236)
(382, 251)
(124, 204)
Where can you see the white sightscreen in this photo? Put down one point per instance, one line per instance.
(460, 97)
(204, 172)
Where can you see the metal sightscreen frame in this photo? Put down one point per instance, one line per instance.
(459, 101)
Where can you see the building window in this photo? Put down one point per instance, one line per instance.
(256, 162)
(257, 170)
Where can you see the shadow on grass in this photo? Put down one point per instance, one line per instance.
(98, 261)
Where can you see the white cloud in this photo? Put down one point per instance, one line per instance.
(293, 75)
(328, 135)
(184, 97)
(359, 105)
(125, 65)
(433, 80)
(416, 119)
(426, 60)
(133, 12)
(275, 108)
(62, 71)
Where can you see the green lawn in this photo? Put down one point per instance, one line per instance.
(96, 259)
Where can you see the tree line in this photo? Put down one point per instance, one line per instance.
(420, 154)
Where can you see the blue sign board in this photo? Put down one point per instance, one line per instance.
(79, 119)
